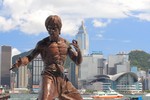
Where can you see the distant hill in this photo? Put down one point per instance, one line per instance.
(139, 58)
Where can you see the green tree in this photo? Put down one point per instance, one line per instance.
(141, 59)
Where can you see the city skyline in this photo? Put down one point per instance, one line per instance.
(113, 26)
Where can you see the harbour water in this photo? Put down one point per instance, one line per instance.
(86, 97)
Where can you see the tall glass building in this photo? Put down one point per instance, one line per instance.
(19, 77)
(83, 40)
(28, 76)
(35, 67)
(5, 64)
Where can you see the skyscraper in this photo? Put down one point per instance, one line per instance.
(20, 77)
(83, 40)
(90, 66)
(118, 63)
(5, 64)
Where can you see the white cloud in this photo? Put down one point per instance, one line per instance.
(99, 35)
(134, 5)
(144, 16)
(139, 9)
(15, 52)
(100, 23)
(6, 25)
(126, 41)
(29, 16)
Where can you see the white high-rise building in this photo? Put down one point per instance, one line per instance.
(118, 63)
(91, 66)
(20, 77)
(83, 40)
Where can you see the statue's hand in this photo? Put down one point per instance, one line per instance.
(16, 65)
(74, 47)
(75, 44)
(13, 67)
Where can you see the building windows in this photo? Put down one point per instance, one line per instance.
(37, 69)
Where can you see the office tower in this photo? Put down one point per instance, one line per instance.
(73, 75)
(83, 40)
(23, 76)
(37, 67)
(101, 66)
(29, 75)
(118, 63)
(19, 78)
(5, 64)
(91, 66)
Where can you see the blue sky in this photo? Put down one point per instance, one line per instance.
(113, 25)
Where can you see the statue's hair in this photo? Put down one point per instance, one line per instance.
(53, 19)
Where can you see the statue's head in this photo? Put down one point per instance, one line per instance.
(53, 21)
(53, 25)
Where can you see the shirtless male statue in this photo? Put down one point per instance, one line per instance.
(54, 50)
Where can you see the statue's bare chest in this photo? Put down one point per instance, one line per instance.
(57, 48)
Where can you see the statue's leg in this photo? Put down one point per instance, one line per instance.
(70, 93)
(47, 89)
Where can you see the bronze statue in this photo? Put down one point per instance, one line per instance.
(54, 50)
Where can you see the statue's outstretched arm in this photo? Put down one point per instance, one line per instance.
(25, 60)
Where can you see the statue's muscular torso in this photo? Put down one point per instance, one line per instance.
(53, 52)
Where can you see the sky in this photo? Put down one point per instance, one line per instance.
(113, 26)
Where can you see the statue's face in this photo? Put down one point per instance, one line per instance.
(53, 31)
